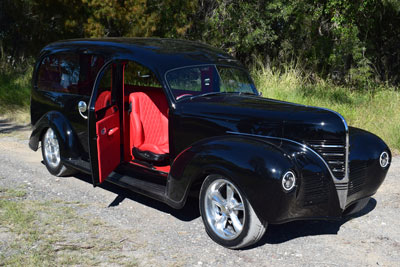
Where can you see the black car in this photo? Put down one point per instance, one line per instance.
(166, 118)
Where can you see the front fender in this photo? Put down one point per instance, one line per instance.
(67, 137)
(257, 165)
(251, 163)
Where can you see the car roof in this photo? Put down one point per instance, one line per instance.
(159, 54)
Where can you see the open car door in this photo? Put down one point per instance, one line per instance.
(104, 127)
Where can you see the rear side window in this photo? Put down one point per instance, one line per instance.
(69, 73)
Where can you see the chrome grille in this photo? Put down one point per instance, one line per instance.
(358, 171)
(334, 153)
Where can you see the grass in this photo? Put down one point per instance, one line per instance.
(52, 233)
(374, 110)
(15, 92)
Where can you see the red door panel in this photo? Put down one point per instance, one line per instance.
(108, 143)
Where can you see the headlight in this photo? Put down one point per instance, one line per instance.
(288, 181)
(384, 159)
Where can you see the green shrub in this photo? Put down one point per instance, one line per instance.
(15, 88)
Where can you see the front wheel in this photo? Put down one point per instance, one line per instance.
(51, 155)
(227, 215)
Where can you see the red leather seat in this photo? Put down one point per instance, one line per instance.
(149, 123)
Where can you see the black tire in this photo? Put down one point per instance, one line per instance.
(55, 167)
(252, 227)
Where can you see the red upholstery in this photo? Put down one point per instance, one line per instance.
(108, 143)
(149, 121)
(103, 100)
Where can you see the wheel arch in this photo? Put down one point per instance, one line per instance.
(67, 137)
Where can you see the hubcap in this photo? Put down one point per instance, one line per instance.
(224, 209)
(51, 149)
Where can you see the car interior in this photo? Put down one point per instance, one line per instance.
(144, 117)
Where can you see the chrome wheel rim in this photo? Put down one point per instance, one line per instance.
(224, 209)
(51, 149)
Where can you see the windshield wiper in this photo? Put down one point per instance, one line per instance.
(209, 94)
(247, 93)
(219, 93)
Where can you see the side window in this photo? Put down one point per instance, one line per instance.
(59, 73)
(69, 73)
(104, 91)
(69, 70)
(138, 75)
(49, 74)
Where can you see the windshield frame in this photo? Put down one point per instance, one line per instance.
(256, 92)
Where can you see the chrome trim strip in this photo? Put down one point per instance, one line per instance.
(334, 162)
(333, 154)
(328, 146)
(339, 183)
(337, 170)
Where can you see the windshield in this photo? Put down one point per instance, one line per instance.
(192, 81)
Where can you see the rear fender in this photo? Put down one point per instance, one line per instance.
(68, 140)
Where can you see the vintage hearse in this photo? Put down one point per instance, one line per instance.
(166, 118)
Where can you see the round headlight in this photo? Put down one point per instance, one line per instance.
(288, 181)
(384, 159)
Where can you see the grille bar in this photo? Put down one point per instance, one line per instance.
(334, 153)
(328, 146)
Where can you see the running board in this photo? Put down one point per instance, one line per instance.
(78, 164)
(150, 189)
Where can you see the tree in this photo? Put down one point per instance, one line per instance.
(138, 18)
(352, 42)
(28, 25)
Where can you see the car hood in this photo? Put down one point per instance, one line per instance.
(267, 117)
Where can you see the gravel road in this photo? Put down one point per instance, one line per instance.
(155, 234)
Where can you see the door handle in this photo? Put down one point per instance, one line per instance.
(112, 131)
(82, 107)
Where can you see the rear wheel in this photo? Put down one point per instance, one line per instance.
(228, 216)
(51, 155)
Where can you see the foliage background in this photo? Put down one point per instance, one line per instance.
(350, 42)
(339, 54)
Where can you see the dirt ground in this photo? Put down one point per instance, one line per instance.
(45, 220)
